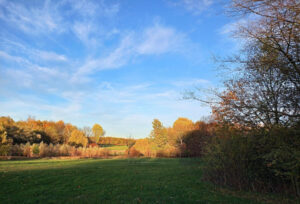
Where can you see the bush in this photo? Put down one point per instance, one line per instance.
(35, 149)
(27, 150)
(132, 152)
(16, 150)
(259, 160)
(43, 149)
(195, 143)
(5, 149)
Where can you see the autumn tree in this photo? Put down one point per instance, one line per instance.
(268, 92)
(5, 143)
(263, 87)
(78, 138)
(52, 132)
(60, 126)
(97, 132)
(275, 24)
(259, 108)
(143, 146)
(181, 126)
(158, 134)
(67, 132)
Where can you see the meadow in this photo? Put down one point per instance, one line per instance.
(139, 180)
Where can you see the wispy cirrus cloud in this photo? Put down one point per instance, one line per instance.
(50, 56)
(86, 27)
(33, 20)
(196, 7)
(187, 83)
(58, 17)
(153, 40)
(160, 39)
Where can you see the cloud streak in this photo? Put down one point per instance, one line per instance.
(154, 40)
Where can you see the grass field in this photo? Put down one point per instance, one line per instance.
(111, 181)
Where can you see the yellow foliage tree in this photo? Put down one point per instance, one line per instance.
(181, 126)
(97, 132)
(78, 138)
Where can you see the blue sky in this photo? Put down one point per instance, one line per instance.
(117, 63)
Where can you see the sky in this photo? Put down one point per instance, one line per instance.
(117, 63)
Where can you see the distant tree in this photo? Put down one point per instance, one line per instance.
(52, 132)
(181, 126)
(143, 146)
(129, 141)
(78, 138)
(3, 135)
(97, 132)
(87, 131)
(158, 134)
(67, 132)
(60, 126)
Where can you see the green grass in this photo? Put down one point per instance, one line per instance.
(115, 147)
(110, 181)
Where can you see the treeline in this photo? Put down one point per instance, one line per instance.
(116, 141)
(34, 131)
(183, 139)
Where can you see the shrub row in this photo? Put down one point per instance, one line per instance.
(258, 160)
(45, 150)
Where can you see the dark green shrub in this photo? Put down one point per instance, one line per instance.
(35, 149)
(259, 160)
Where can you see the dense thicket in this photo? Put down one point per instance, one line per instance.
(257, 144)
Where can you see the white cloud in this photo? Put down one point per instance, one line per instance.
(190, 82)
(154, 40)
(29, 53)
(232, 27)
(84, 31)
(17, 59)
(19, 77)
(230, 34)
(196, 7)
(90, 9)
(33, 20)
(50, 56)
(86, 27)
(159, 39)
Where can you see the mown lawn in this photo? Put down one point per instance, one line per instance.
(110, 181)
